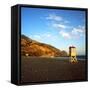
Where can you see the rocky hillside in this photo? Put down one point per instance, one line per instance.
(31, 47)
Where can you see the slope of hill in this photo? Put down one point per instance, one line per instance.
(31, 47)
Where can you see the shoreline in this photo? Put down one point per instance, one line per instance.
(58, 58)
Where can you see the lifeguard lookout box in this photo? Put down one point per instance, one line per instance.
(72, 54)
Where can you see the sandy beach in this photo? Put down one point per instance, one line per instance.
(49, 69)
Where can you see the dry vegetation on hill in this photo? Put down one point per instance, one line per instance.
(31, 47)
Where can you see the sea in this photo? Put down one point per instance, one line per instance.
(81, 57)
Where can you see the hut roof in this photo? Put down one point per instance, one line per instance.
(72, 47)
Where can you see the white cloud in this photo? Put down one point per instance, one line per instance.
(78, 30)
(58, 25)
(73, 32)
(37, 36)
(42, 36)
(65, 34)
(64, 29)
(57, 21)
(54, 17)
(48, 35)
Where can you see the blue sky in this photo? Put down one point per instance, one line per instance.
(60, 28)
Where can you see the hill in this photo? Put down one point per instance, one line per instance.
(31, 47)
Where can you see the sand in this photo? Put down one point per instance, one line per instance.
(51, 69)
